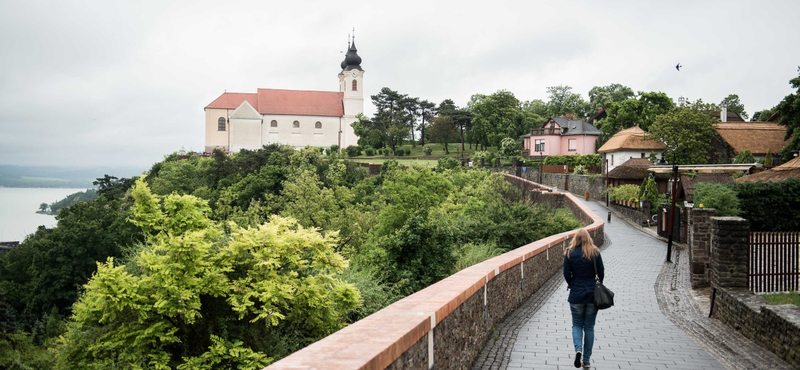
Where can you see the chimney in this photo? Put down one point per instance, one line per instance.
(723, 114)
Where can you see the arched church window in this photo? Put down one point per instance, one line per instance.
(355, 85)
(296, 124)
(318, 124)
(221, 124)
(274, 123)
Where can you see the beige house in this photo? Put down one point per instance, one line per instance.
(629, 143)
(298, 118)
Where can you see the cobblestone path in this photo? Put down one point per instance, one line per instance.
(655, 324)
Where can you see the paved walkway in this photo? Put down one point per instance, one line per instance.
(655, 324)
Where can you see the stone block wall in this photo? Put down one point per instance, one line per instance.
(699, 240)
(729, 252)
(446, 325)
(776, 328)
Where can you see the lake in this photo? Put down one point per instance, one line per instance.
(18, 207)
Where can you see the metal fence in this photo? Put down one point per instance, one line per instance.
(773, 261)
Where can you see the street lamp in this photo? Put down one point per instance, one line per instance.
(607, 194)
(672, 212)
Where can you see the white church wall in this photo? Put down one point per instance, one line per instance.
(214, 137)
(245, 134)
(303, 136)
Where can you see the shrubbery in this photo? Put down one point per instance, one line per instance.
(718, 196)
(770, 206)
(573, 160)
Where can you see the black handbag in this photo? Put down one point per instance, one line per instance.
(603, 297)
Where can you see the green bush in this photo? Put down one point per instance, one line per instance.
(573, 160)
(447, 164)
(717, 196)
(427, 150)
(369, 151)
(744, 156)
(408, 152)
(770, 206)
(472, 254)
(399, 152)
(649, 184)
(628, 192)
(352, 151)
(334, 148)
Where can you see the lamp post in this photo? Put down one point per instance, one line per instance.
(607, 194)
(672, 212)
(541, 166)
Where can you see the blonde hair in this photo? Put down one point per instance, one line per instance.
(588, 249)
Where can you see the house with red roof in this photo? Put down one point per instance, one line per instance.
(298, 118)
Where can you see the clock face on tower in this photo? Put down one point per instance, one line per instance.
(355, 74)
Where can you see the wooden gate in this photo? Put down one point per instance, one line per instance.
(773, 261)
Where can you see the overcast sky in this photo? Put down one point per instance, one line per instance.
(125, 82)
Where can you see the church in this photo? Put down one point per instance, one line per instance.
(298, 118)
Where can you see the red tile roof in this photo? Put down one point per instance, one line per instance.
(300, 102)
(233, 100)
(285, 102)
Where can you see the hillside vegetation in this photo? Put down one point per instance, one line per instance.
(236, 261)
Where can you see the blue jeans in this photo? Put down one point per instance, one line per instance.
(583, 318)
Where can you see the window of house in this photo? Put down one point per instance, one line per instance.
(642, 155)
(539, 145)
(355, 85)
(274, 123)
(573, 146)
(221, 124)
(612, 159)
(318, 124)
(296, 124)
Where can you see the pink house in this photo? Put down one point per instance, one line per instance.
(561, 136)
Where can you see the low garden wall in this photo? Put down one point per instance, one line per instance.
(447, 324)
(776, 328)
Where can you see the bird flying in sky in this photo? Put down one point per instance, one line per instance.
(678, 67)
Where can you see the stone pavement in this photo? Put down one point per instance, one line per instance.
(655, 324)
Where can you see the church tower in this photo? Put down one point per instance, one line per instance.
(351, 84)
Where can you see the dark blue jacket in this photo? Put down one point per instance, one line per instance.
(579, 274)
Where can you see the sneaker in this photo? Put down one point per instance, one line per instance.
(578, 359)
(587, 365)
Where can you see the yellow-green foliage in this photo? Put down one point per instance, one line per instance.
(142, 315)
(627, 192)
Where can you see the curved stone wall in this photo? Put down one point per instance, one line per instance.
(447, 324)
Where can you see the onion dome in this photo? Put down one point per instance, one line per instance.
(352, 59)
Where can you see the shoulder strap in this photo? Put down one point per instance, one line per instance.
(594, 263)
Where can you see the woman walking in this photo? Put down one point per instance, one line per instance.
(580, 260)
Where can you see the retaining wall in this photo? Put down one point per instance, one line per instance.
(776, 328)
(448, 323)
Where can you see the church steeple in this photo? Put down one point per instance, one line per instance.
(351, 59)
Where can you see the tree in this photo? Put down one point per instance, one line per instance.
(642, 110)
(495, 118)
(427, 112)
(43, 207)
(762, 115)
(789, 111)
(391, 124)
(649, 186)
(192, 298)
(442, 131)
(687, 131)
(602, 96)
(461, 117)
(412, 108)
(734, 105)
(562, 101)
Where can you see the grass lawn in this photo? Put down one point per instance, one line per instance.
(784, 298)
(407, 161)
(438, 150)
